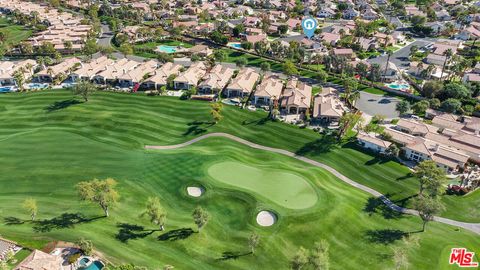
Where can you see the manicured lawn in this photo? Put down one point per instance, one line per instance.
(19, 257)
(282, 187)
(49, 143)
(14, 33)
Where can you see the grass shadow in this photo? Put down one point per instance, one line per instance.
(232, 255)
(322, 145)
(65, 220)
(175, 235)
(59, 105)
(376, 205)
(128, 232)
(385, 237)
(13, 221)
(405, 177)
(197, 127)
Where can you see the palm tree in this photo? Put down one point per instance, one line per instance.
(389, 53)
(448, 53)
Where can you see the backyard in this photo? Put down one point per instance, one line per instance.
(67, 141)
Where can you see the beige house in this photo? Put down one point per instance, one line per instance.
(190, 77)
(297, 97)
(8, 69)
(216, 80)
(268, 91)
(243, 84)
(65, 67)
(113, 72)
(161, 75)
(200, 50)
(373, 143)
(90, 69)
(137, 74)
(327, 106)
(39, 260)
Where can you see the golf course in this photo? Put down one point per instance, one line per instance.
(51, 140)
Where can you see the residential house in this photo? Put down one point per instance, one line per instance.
(327, 106)
(373, 143)
(216, 80)
(350, 14)
(330, 38)
(269, 91)
(52, 72)
(190, 78)
(137, 74)
(347, 53)
(435, 59)
(369, 14)
(161, 75)
(9, 68)
(200, 50)
(243, 84)
(112, 72)
(39, 260)
(90, 69)
(296, 97)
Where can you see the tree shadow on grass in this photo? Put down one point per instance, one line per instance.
(65, 220)
(376, 205)
(59, 105)
(128, 232)
(232, 255)
(258, 122)
(197, 127)
(13, 221)
(386, 236)
(406, 176)
(175, 235)
(322, 145)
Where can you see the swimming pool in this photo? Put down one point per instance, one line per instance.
(5, 89)
(37, 85)
(235, 45)
(167, 49)
(398, 86)
(96, 265)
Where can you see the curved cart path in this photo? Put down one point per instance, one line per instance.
(474, 227)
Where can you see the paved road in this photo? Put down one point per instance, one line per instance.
(473, 227)
(106, 36)
(372, 104)
(400, 57)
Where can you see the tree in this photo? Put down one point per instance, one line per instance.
(451, 105)
(90, 47)
(282, 29)
(427, 207)
(155, 212)
(300, 259)
(322, 76)
(68, 45)
(220, 56)
(265, 66)
(19, 79)
(216, 111)
(448, 53)
(420, 107)
(289, 68)
(86, 246)
(84, 88)
(30, 205)
(413, 50)
(400, 252)
(4, 265)
(389, 53)
(347, 122)
(431, 178)
(402, 107)
(432, 88)
(200, 217)
(392, 150)
(241, 62)
(101, 192)
(253, 242)
(319, 257)
(455, 90)
(238, 29)
(126, 49)
(246, 45)
(350, 93)
(165, 57)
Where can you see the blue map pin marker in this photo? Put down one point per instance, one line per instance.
(309, 25)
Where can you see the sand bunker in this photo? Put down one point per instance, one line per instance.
(266, 218)
(195, 191)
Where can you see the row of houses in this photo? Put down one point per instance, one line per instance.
(450, 141)
(62, 27)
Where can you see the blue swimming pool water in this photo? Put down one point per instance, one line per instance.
(5, 89)
(37, 85)
(235, 45)
(398, 86)
(96, 265)
(167, 49)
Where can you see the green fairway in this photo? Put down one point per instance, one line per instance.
(282, 187)
(131, 121)
(49, 142)
(14, 33)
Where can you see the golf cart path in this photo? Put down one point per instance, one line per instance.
(474, 227)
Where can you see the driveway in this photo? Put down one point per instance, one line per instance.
(372, 104)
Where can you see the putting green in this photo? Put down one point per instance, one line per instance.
(281, 187)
